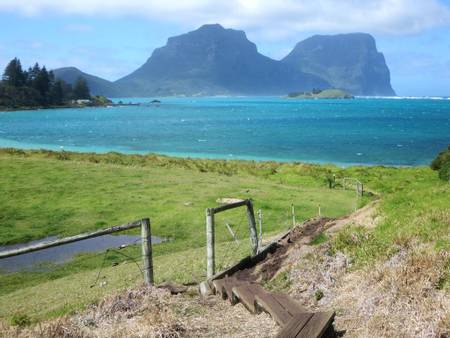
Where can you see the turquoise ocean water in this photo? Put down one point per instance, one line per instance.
(361, 131)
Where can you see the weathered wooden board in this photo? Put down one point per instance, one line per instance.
(317, 325)
(295, 325)
(291, 305)
(307, 325)
(270, 305)
(247, 293)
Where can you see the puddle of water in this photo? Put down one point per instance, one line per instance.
(34, 261)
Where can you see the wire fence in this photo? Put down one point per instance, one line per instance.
(88, 276)
(56, 276)
(232, 237)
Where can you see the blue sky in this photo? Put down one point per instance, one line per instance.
(111, 39)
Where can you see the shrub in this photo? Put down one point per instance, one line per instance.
(444, 172)
(20, 320)
(442, 164)
(441, 159)
(63, 156)
(318, 294)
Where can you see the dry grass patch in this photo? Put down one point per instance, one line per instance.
(152, 312)
(404, 296)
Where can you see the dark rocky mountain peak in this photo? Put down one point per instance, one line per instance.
(347, 61)
(214, 60)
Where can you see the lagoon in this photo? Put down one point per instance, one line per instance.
(45, 259)
(368, 131)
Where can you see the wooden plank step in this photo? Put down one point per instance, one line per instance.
(224, 287)
(246, 294)
(307, 325)
(295, 325)
(219, 286)
(290, 304)
(272, 306)
(317, 325)
(230, 283)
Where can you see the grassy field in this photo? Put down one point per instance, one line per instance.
(415, 206)
(46, 193)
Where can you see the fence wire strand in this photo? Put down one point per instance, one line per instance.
(231, 246)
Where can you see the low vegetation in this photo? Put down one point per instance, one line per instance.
(321, 94)
(45, 193)
(442, 164)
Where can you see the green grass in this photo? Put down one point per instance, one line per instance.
(53, 297)
(46, 193)
(319, 239)
(280, 283)
(415, 206)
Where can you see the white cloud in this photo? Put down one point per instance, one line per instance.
(274, 18)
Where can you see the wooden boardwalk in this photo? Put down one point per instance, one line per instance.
(293, 319)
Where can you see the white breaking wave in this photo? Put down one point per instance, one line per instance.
(405, 97)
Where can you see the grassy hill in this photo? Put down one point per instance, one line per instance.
(46, 193)
(59, 193)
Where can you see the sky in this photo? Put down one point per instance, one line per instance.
(112, 38)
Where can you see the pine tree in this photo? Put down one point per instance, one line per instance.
(35, 87)
(32, 75)
(42, 84)
(56, 94)
(13, 74)
(81, 90)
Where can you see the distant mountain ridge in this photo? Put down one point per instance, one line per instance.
(213, 60)
(97, 85)
(347, 61)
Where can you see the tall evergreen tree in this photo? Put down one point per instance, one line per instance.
(81, 90)
(56, 93)
(13, 74)
(32, 75)
(35, 87)
(42, 84)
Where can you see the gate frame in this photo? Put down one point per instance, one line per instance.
(210, 231)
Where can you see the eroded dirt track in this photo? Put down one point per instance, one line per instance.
(267, 268)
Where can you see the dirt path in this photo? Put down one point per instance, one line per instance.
(367, 217)
(274, 261)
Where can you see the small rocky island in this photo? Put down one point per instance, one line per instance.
(321, 94)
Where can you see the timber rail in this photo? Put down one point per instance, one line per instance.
(146, 240)
(291, 316)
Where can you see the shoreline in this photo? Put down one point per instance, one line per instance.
(196, 157)
(7, 110)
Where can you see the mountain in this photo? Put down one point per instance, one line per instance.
(213, 60)
(97, 85)
(347, 61)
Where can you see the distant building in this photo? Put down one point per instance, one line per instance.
(81, 101)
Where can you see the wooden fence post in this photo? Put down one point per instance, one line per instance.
(360, 189)
(293, 215)
(252, 227)
(260, 229)
(210, 255)
(146, 236)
